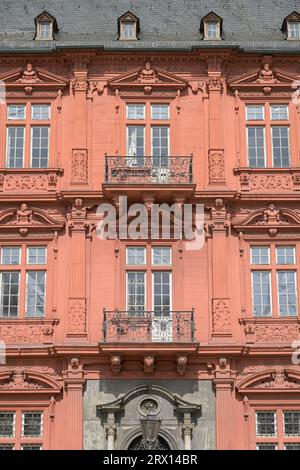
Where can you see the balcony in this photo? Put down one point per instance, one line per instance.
(260, 181)
(148, 327)
(128, 174)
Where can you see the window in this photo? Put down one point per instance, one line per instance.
(160, 111)
(147, 137)
(292, 423)
(46, 26)
(292, 446)
(256, 147)
(15, 272)
(21, 429)
(40, 147)
(266, 446)
(136, 293)
(268, 139)
(260, 255)
(40, 112)
(18, 153)
(16, 112)
(162, 292)
(32, 424)
(7, 424)
(261, 293)
(15, 147)
(136, 255)
(128, 25)
(293, 30)
(161, 256)
(255, 112)
(135, 111)
(211, 26)
(32, 447)
(274, 280)
(266, 424)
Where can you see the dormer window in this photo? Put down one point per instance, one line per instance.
(46, 27)
(211, 26)
(291, 26)
(128, 25)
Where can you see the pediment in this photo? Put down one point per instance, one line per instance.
(26, 219)
(30, 78)
(264, 77)
(24, 381)
(270, 218)
(275, 380)
(147, 78)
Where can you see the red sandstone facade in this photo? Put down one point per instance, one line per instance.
(247, 358)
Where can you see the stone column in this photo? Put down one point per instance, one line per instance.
(221, 312)
(77, 291)
(74, 382)
(111, 431)
(224, 386)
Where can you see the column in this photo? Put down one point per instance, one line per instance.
(224, 419)
(74, 383)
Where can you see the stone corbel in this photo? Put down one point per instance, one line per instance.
(116, 364)
(181, 364)
(149, 364)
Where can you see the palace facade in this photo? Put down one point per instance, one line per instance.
(179, 103)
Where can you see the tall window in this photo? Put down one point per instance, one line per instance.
(148, 129)
(28, 135)
(268, 139)
(21, 430)
(23, 281)
(278, 429)
(274, 281)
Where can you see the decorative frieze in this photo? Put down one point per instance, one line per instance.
(216, 167)
(28, 180)
(270, 330)
(77, 316)
(268, 180)
(27, 331)
(221, 317)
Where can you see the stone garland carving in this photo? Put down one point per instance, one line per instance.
(21, 334)
(27, 182)
(79, 166)
(216, 167)
(221, 316)
(77, 317)
(277, 334)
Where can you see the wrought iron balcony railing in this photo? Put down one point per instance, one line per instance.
(148, 170)
(148, 327)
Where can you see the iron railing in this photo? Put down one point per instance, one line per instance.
(146, 326)
(148, 170)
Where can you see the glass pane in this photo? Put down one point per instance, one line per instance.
(39, 147)
(136, 255)
(135, 111)
(261, 294)
(280, 144)
(128, 29)
(15, 147)
(260, 255)
(212, 30)
(136, 293)
(161, 256)
(285, 255)
(10, 255)
(9, 294)
(286, 281)
(256, 147)
(40, 112)
(255, 112)
(32, 424)
(294, 30)
(135, 143)
(266, 423)
(36, 255)
(35, 298)
(16, 111)
(7, 424)
(160, 111)
(279, 112)
(162, 292)
(292, 423)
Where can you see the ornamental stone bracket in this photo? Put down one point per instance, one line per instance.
(148, 362)
(26, 331)
(281, 331)
(30, 180)
(264, 180)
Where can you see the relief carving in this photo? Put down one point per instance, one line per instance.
(277, 334)
(18, 381)
(221, 316)
(79, 166)
(77, 317)
(216, 167)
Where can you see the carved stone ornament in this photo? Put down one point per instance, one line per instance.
(181, 364)
(116, 364)
(149, 364)
(221, 316)
(19, 381)
(77, 317)
(79, 166)
(271, 218)
(216, 167)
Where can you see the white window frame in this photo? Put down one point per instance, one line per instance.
(135, 104)
(19, 289)
(140, 248)
(294, 255)
(275, 424)
(11, 247)
(159, 127)
(279, 105)
(247, 139)
(145, 289)
(133, 37)
(218, 30)
(39, 36)
(160, 118)
(10, 105)
(289, 29)
(40, 119)
(248, 105)
(170, 285)
(14, 425)
(7, 145)
(31, 146)
(161, 247)
(45, 293)
(28, 247)
(23, 424)
(289, 143)
(271, 287)
(127, 142)
(281, 315)
(260, 246)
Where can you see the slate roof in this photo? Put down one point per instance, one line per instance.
(165, 24)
